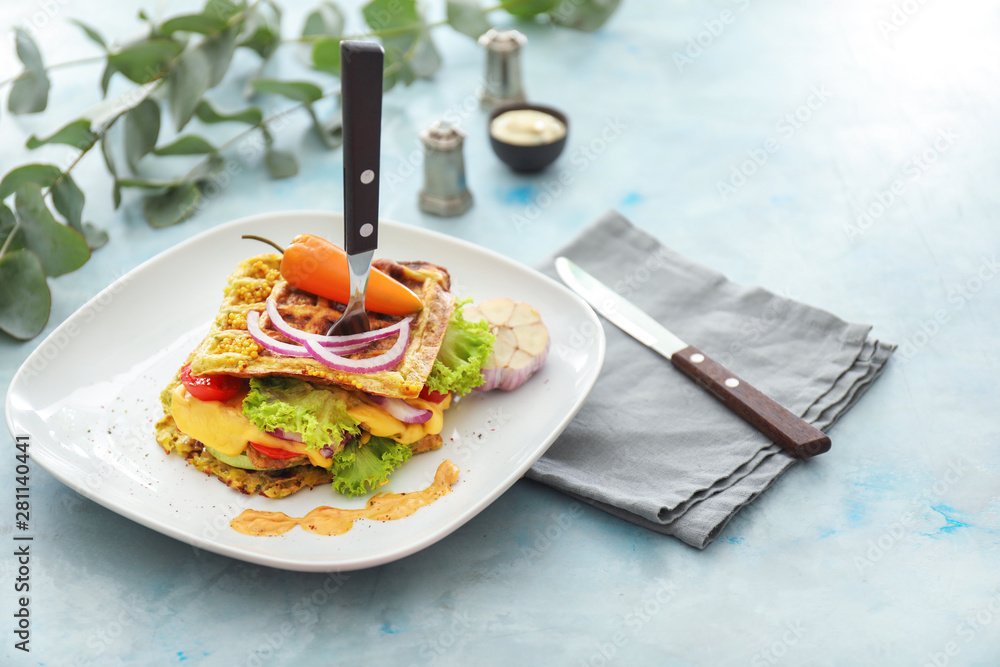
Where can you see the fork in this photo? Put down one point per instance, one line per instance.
(361, 94)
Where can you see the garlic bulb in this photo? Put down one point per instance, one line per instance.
(522, 342)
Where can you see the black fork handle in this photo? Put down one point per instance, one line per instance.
(361, 66)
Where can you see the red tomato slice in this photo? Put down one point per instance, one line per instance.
(273, 452)
(432, 396)
(210, 387)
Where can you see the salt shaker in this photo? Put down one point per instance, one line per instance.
(503, 67)
(445, 192)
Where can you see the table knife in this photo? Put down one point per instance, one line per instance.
(798, 437)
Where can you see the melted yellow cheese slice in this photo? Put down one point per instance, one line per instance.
(380, 423)
(222, 425)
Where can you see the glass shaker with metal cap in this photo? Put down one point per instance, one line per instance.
(445, 192)
(503, 67)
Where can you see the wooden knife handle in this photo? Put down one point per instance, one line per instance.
(797, 436)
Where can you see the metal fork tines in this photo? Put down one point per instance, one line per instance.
(355, 318)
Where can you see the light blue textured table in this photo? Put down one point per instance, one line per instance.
(883, 552)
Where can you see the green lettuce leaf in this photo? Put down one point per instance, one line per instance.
(296, 406)
(359, 469)
(466, 347)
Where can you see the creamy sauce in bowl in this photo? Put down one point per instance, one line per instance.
(527, 127)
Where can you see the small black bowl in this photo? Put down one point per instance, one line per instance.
(528, 158)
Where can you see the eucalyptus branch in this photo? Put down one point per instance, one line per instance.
(181, 54)
(65, 172)
(262, 125)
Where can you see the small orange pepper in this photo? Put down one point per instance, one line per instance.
(319, 267)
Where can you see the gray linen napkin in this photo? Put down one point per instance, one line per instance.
(649, 445)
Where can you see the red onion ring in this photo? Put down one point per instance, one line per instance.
(382, 362)
(401, 410)
(268, 343)
(282, 434)
(342, 344)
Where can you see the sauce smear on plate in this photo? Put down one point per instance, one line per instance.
(334, 521)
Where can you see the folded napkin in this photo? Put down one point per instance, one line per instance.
(652, 447)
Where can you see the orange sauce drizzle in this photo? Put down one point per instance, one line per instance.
(333, 521)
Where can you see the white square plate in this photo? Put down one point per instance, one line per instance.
(89, 397)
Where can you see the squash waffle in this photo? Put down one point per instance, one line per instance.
(271, 483)
(229, 349)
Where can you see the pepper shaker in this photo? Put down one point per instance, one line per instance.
(445, 192)
(503, 67)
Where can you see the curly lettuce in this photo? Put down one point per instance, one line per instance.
(466, 347)
(361, 468)
(296, 406)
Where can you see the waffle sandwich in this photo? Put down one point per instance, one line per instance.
(250, 453)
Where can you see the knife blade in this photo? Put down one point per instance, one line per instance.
(797, 436)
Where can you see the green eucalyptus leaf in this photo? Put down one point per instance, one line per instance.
(91, 33)
(397, 69)
(425, 60)
(173, 205)
(300, 91)
(109, 161)
(326, 55)
(417, 55)
(95, 236)
(189, 144)
(330, 131)
(203, 24)
(27, 51)
(280, 164)
(207, 114)
(325, 21)
(467, 17)
(391, 14)
(188, 81)
(224, 9)
(30, 93)
(405, 71)
(266, 133)
(275, 10)
(264, 41)
(145, 60)
(109, 158)
(263, 29)
(584, 15)
(109, 71)
(75, 134)
(42, 174)
(142, 129)
(390, 75)
(529, 7)
(218, 50)
(207, 170)
(8, 226)
(61, 249)
(25, 300)
(68, 199)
